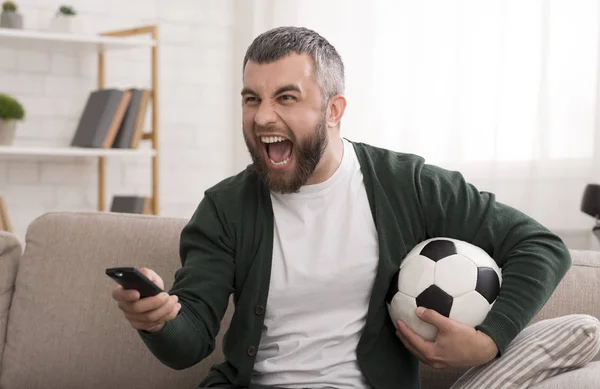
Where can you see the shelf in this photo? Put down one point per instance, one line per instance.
(56, 41)
(96, 44)
(19, 151)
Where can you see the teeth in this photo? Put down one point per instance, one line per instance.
(272, 139)
(280, 163)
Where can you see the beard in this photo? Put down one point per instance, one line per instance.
(306, 157)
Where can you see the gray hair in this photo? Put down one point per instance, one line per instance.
(279, 42)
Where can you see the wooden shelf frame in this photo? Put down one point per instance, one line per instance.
(152, 136)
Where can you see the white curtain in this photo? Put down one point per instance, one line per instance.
(504, 91)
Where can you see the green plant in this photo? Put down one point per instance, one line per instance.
(9, 6)
(10, 108)
(67, 10)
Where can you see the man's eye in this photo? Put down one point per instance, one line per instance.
(249, 99)
(288, 97)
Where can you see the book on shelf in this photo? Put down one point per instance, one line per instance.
(112, 118)
(132, 127)
(131, 204)
(101, 118)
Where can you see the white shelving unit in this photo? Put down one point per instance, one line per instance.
(28, 151)
(63, 41)
(139, 37)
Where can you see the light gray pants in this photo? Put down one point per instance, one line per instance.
(252, 386)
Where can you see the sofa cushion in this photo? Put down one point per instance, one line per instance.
(578, 291)
(10, 253)
(542, 350)
(64, 330)
(586, 377)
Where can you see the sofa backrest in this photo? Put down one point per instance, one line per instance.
(577, 293)
(64, 329)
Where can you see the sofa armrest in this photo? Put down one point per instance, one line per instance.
(10, 253)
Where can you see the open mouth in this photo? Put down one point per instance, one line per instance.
(279, 150)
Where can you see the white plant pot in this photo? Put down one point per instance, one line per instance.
(65, 24)
(7, 132)
(11, 20)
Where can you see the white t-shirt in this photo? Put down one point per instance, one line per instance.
(325, 257)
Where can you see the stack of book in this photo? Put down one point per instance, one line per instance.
(112, 118)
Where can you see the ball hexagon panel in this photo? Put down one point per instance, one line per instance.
(404, 308)
(435, 298)
(488, 283)
(416, 275)
(470, 309)
(455, 275)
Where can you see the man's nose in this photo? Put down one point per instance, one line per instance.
(265, 115)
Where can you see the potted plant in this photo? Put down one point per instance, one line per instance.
(11, 111)
(10, 18)
(65, 20)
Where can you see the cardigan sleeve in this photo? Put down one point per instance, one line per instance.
(203, 285)
(532, 259)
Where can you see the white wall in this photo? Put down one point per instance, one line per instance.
(196, 102)
(202, 45)
(379, 51)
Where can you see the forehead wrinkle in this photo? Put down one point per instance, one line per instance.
(274, 75)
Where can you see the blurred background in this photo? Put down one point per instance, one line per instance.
(504, 91)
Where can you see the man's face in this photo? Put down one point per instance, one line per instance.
(284, 121)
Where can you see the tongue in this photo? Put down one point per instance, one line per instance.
(279, 151)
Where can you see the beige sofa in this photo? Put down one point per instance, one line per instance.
(59, 327)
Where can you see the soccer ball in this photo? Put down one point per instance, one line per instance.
(455, 278)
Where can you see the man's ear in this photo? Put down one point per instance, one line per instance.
(337, 106)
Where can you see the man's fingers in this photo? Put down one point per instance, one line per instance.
(163, 311)
(150, 313)
(400, 333)
(424, 347)
(125, 295)
(419, 347)
(144, 305)
(431, 316)
(156, 319)
(151, 303)
(143, 311)
(171, 315)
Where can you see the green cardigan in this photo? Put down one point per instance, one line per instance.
(226, 249)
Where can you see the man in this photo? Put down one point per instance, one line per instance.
(308, 237)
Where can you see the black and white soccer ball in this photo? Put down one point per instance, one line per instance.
(455, 278)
